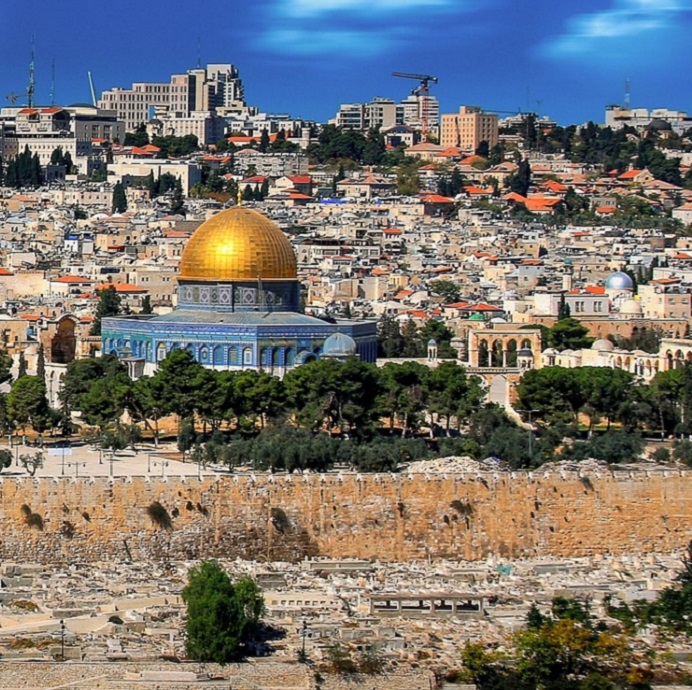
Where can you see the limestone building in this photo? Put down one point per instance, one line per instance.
(204, 89)
(467, 128)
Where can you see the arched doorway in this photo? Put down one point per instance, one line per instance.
(64, 343)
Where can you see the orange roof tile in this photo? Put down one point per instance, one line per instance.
(436, 199)
(630, 174)
(122, 287)
(80, 280)
(481, 306)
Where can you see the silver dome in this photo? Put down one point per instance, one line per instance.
(619, 281)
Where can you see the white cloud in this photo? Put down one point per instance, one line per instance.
(366, 27)
(314, 8)
(297, 41)
(596, 31)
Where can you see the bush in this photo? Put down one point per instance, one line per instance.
(682, 451)
(159, 516)
(222, 616)
(5, 459)
(661, 455)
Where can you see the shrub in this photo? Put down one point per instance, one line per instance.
(280, 519)
(682, 451)
(463, 508)
(35, 520)
(661, 455)
(222, 616)
(5, 459)
(159, 516)
(68, 529)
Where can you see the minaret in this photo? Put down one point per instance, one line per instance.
(567, 276)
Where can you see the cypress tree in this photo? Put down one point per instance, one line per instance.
(119, 198)
(41, 363)
(22, 368)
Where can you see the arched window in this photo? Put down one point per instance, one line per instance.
(218, 355)
(247, 356)
(161, 352)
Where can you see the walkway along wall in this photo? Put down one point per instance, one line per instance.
(386, 517)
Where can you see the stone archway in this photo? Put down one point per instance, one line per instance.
(498, 391)
(63, 345)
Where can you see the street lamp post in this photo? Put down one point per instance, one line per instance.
(529, 413)
(62, 640)
(303, 633)
(163, 464)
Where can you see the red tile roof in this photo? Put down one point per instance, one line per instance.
(79, 280)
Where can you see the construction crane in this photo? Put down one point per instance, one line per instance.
(91, 87)
(422, 90)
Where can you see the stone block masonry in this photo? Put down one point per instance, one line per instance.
(385, 517)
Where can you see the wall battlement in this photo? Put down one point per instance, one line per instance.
(369, 516)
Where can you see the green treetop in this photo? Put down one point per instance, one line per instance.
(222, 616)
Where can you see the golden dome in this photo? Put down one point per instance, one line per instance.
(238, 245)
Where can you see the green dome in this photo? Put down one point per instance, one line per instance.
(476, 317)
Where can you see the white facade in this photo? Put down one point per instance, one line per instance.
(203, 89)
(203, 124)
(188, 173)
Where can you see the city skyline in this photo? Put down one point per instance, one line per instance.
(305, 57)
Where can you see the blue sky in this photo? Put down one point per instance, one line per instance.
(566, 59)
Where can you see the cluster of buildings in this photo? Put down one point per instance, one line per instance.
(268, 284)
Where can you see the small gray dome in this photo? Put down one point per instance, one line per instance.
(659, 125)
(525, 352)
(432, 341)
(631, 307)
(603, 344)
(619, 281)
(339, 345)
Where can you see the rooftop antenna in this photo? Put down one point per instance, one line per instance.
(627, 94)
(52, 83)
(93, 90)
(32, 79)
(199, 53)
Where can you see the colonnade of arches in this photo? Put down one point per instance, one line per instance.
(501, 352)
(218, 355)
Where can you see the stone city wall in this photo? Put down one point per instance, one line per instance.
(385, 517)
(253, 675)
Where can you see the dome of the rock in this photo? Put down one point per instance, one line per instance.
(239, 244)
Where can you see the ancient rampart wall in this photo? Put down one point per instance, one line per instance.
(386, 517)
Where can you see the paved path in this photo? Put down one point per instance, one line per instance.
(89, 461)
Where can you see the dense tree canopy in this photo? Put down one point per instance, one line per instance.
(222, 616)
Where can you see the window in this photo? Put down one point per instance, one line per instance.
(247, 355)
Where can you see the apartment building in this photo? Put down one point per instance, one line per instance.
(385, 113)
(665, 298)
(468, 128)
(42, 130)
(203, 124)
(617, 117)
(202, 89)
